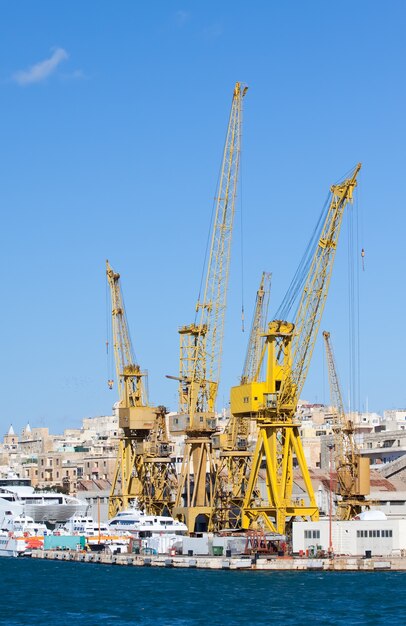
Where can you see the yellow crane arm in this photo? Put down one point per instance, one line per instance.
(352, 470)
(202, 341)
(343, 443)
(314, 293)
(258, 327)
(132, 391)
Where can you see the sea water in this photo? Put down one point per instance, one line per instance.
(44, 592)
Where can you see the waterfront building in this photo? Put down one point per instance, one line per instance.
(370, 535)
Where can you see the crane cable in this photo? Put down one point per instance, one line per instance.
(290, 302)
(295, 288)
(209, 233)
(109, 352)
(242, 240)
(353, 308)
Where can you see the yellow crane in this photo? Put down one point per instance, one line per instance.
(144, 469)
(272, 402)
(352, 469)
(253, 356)
(234, 462)
(201, 344)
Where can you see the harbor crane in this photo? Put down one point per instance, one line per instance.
(145, 471)
(201, 344)
(234, 462)
(353, 473)
(272, 402)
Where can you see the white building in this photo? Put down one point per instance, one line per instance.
(395, 419)
(373, 534)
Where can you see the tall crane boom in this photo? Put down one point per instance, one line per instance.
(352, 469)
(144, 470)
(314, 294)
(273, 402)
(255, 342)
(201, 342)
(132, 391)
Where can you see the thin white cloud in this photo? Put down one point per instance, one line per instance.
(182, 17)
(40, 71)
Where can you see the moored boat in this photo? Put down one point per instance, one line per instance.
(18, 496)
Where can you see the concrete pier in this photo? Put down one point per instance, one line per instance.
(234, 563)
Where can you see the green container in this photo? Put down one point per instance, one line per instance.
(217, 550)
(64, 542)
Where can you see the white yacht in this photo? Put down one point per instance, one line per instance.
(157, 533)
(18, 496)
(97, 534)
(24, 526)
(134, 520)
(84, 525)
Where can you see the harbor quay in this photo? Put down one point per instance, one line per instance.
(249, 563)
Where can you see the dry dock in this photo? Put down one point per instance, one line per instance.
(233, 563)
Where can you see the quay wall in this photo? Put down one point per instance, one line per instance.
(233, 563)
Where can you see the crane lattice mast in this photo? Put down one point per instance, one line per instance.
(201, 342)
(352, 470)
(234, 463)
(256, 339)
(145, 471)
(273, 402)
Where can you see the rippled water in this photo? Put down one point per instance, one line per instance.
(47, 592)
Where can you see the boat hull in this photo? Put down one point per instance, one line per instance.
(12, 547)
(57, 513)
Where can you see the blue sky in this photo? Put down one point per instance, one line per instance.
(113, 118)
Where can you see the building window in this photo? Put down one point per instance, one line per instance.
(312, 534)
